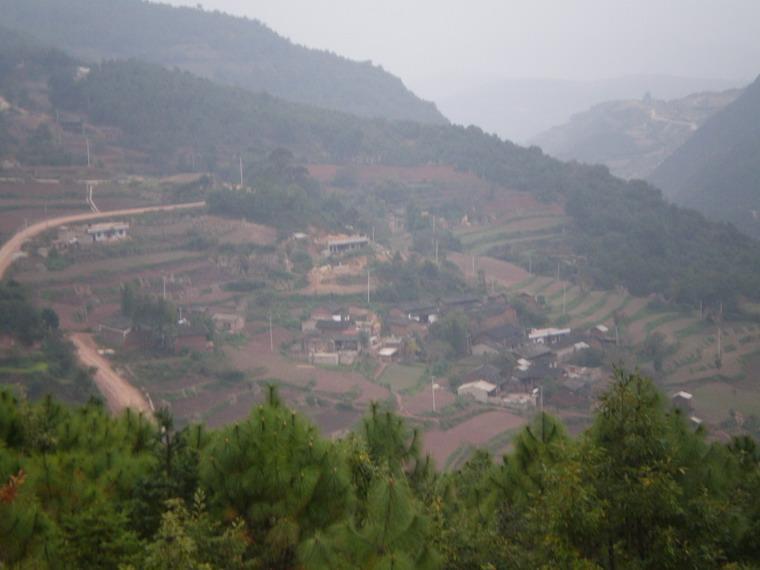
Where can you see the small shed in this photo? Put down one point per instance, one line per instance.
(684, 401)
(228, 322)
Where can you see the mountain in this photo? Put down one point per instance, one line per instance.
(632, 137)
(717, 171)
(227, 49)
(622, 233)
(521, 109)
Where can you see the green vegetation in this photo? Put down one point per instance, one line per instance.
(43, 361)
(639, 489)
(624, 232)
(236, 51)
(417, 279)
(402, 377)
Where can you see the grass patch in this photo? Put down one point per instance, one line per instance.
(32, 368)
(400, 377)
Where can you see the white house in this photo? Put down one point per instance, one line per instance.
(480, 390)
(112, 231)
(547, 336)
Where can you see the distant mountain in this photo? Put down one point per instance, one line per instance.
(227, 49)
(632, 137)
(521, 109)
(717, 171)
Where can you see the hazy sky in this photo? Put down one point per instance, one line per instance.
(433, 45)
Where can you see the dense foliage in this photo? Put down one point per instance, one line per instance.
(639, 489)
(231, 50)
(41, 358)
(416, 279)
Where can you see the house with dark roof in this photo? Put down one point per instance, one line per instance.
(535, 353)
(486, 372)
(505, 336)
(192, 337)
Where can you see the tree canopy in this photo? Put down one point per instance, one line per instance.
(639, 489)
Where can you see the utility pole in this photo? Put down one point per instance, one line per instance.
(271, 334)
(241, 170)
(436, 252)
(87, 142)
(373, 233)
(564, 298)
(163, 278)
(368, 290)
(432, 388)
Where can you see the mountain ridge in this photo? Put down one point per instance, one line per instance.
(227, 49)
(632, 136)
(716, 171)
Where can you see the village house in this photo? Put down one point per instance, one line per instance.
(480, 390)
(535, 375)
(547, 336)
(228, 322)
(388, 354)
(494, 313)
(398, 324)
(485, 348)
(683, 401)
(535, 353)
(601, 334)
(345, 245)
(568, 346)
(107, 232)
(193, 338)
(460, 303)
(518, 401)
(505, 336)
(423, 313)
(486, 372)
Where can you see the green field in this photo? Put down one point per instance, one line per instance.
(402, 377)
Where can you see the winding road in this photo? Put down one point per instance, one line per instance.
(117, 391)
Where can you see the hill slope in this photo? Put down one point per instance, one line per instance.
(632, 137)
(231, 50)
(718, 170)
(621, 233)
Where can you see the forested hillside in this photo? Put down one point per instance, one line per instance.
(230, 50)
(639, 489)
(623, 233)
(632, 137)
(717, 171)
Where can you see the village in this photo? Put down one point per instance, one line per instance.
(200, 313)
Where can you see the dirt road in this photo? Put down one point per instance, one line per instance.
(13, 245)
(118, 392)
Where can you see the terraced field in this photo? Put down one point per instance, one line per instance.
(536, 226)
(692, 362)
